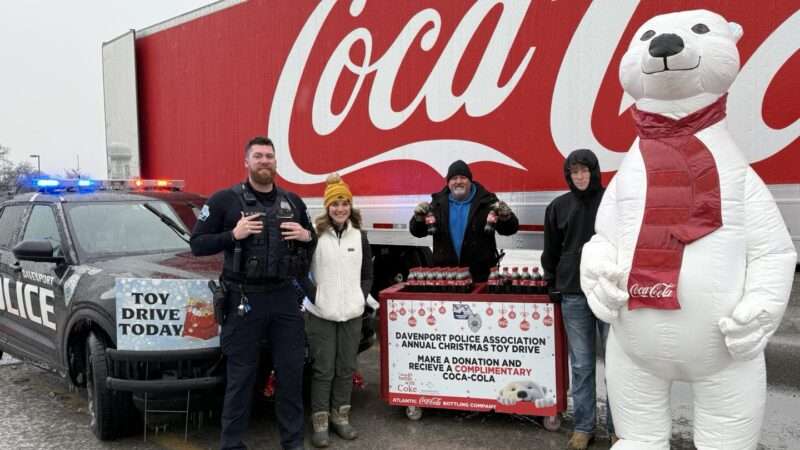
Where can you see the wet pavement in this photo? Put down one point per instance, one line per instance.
(783, 351)
(38, 411)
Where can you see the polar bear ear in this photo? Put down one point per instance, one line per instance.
(736, 30)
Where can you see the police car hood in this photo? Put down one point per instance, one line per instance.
(164, 265)
(92, 285)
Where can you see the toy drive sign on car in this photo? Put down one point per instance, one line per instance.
(155, 314)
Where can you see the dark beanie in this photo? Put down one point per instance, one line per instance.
(459, 168)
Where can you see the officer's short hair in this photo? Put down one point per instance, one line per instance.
(258, 140)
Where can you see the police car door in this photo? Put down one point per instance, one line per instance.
(11, 328)
(38, 306)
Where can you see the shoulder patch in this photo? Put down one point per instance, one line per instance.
(204, 213)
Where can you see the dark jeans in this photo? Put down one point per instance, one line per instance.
(334, 349)
(276, 316)
(582, 329)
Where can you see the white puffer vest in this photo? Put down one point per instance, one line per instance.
(336, 268)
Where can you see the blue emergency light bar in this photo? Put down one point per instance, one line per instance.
(52, 185)
(47, 183)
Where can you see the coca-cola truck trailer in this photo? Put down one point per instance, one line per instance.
(388, 94)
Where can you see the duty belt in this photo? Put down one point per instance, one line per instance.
(249, 288)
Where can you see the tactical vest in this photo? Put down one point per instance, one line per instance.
(266, 256)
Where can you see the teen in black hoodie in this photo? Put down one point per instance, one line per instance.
(568, 224)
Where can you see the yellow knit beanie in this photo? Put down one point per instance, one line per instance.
(336, 189)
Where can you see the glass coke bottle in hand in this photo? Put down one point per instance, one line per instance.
(491, 221)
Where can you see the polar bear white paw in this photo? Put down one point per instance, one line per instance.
(747, 331)
(603, 292)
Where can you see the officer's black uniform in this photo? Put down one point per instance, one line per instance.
(264, 276)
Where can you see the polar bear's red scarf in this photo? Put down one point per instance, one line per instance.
(682, 203)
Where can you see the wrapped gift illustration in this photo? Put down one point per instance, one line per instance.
(199, 322)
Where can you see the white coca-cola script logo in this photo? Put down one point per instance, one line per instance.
(586, 62)
(580, 76)
(658, 290)
(430, 401)
(482, 96)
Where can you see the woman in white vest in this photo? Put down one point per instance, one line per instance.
(342, 269)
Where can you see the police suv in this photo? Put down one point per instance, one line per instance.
(66, 254)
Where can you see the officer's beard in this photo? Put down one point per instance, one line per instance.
(263, 175)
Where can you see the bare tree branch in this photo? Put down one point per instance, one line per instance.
(10, 173)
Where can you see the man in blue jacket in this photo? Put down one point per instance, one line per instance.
(460, 211)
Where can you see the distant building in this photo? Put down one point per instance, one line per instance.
(120, 162)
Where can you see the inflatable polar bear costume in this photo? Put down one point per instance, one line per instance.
(733, 280)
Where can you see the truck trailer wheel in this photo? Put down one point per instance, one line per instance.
(101, 407)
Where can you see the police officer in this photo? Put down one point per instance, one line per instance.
(267, 238)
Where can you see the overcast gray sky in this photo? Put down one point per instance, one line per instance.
(51, 88)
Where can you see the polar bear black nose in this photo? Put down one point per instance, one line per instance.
(665, 45)
(522, 394)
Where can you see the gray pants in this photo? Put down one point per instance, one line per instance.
(334, 349)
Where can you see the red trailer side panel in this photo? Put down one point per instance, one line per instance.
(425, 83)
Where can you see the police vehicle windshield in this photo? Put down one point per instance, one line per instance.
(122, 228)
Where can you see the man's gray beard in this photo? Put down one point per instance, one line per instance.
(256, 176)
(461, 194)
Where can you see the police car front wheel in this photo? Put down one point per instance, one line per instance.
(100, 397)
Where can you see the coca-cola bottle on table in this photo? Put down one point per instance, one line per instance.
(526, 281)
(516, 278)
(467, 277)
(538, 282)
(427, 277)
(462, 277)
(441, 279)
(493, 282)
(433, 284)
(419, 279)
(506, 277)
(451, 281)
(411, 279)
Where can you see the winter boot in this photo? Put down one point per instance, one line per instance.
(320, 438)
(340, 421)
(579, 441)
